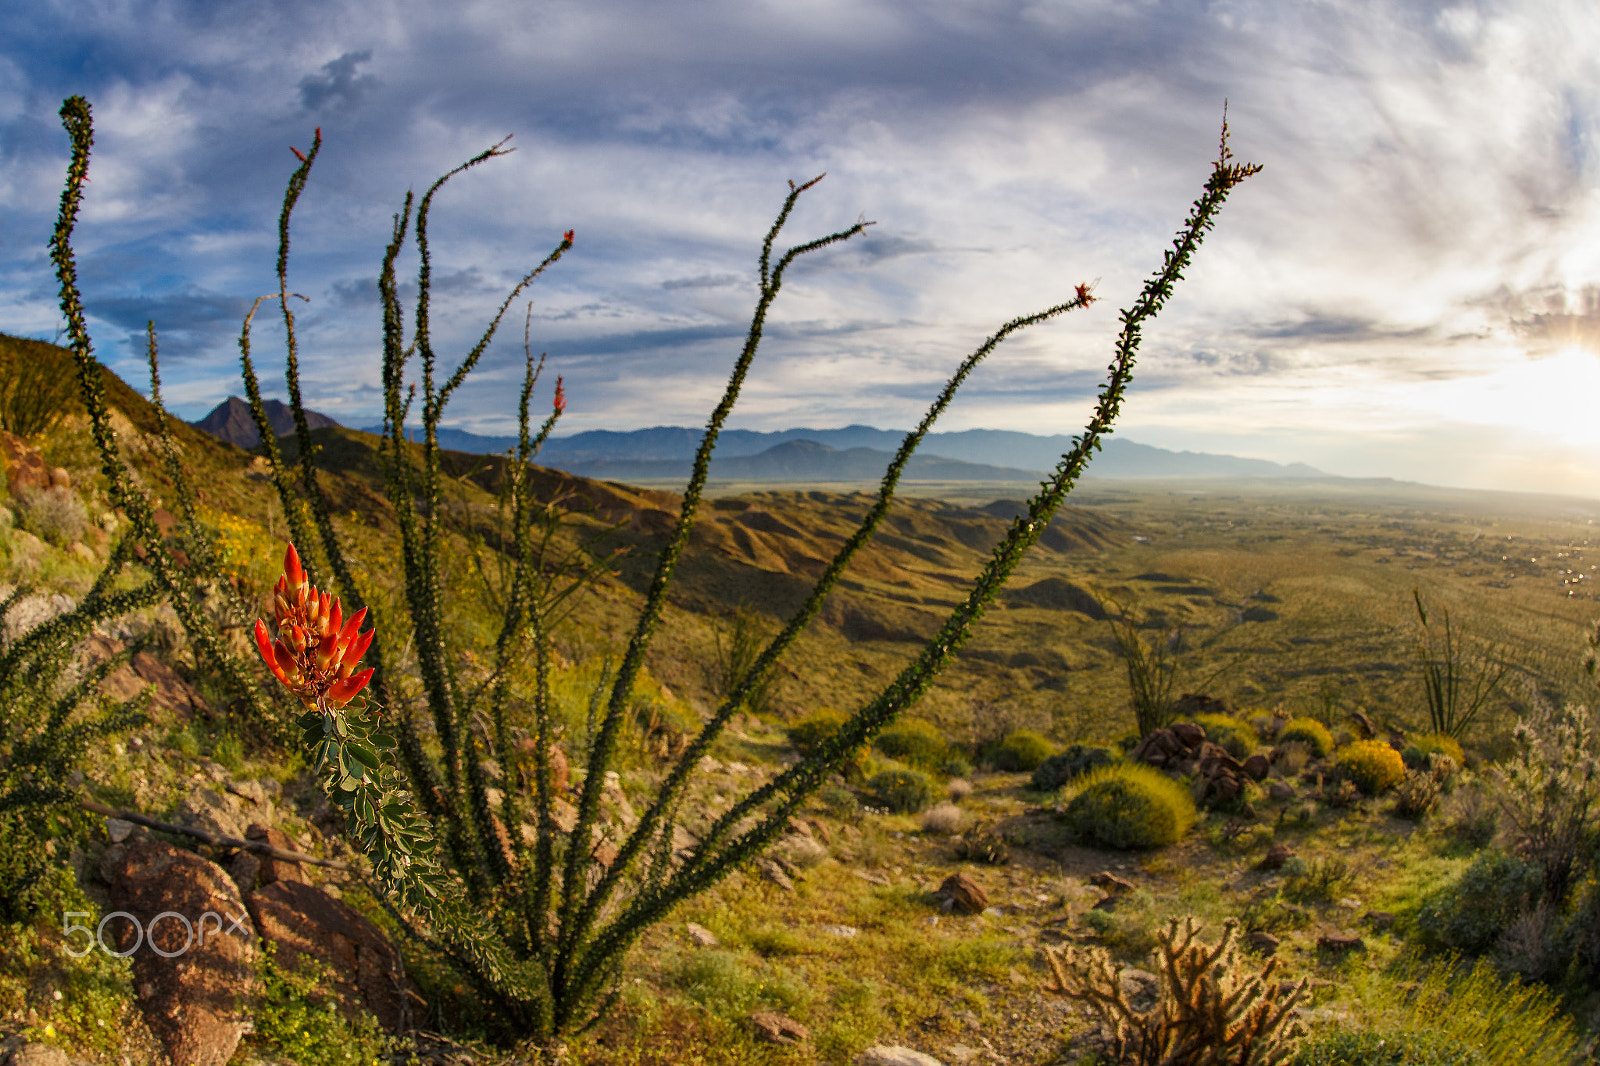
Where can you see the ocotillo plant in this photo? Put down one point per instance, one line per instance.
(537, 923)
(1458, 679)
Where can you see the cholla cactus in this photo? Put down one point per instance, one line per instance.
(1211, 1011)
(317, 649)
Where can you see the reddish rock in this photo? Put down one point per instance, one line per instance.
(25, 468)
(559, 770)
(1276, 856)
(275, 870)
(774, 1028)
(1262, 942)
(1339, 943)
(964, 894)
(1109, 881)
(193, 987)
(172, 693)
(1161, 749)
(363, 969)
(1191, 704)
(1257, 767)
(1189, 734)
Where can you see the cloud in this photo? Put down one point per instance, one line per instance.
(338, 84)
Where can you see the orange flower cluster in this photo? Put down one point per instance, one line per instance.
(317, 650)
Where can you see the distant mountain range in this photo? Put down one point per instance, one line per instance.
(854, 453)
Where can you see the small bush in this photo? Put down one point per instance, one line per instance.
(808, 733)
(296, 1017)
(1416, 794)
(1310, 732)
(1430, 743)
(839, 801)
(914, 742)
(1292, 757)
(1234, 735)
(1373, 765)
(1387, 1048)
(904, 791)
(1069, 765)
(1129, 805)
(958, 789)
(1474, 912)
(54, 515)
(956, 766)
(1022, 750)
(943, 819)
(1470, 817)
(1322, 881)
(983, 844)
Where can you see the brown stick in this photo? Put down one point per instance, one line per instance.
(213, 839)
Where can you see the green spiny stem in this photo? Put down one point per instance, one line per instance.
(672, 789)
(299, 533)
(790, 788)
(169, 451)
(75, 116)
(655, 600)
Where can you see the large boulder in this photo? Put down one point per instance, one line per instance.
(363, 970)
(1162, 749)
(194, 982)
(962, 893)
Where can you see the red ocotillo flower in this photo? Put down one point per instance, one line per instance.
(566, 238)
(317, 649)
(560, 398)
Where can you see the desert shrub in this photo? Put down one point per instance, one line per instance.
(1318, 881)
(1429, 743)
(1066, 766)
(1211, 1007)
(1310, 732)
(36, 386)
(1292, 757)
(839, 801)
(958, 789)
(1550, 792)
(904, 791)
(1473, 913)
(942, 819)
(983, 844)
(1386, 1048)
(807, 734)
(54, 515)
(914, 742)
(1022, 749)
(1470, 816)
(1416, 794)
(1372, 764)
(1130, 805)
(1234, 735)
(956, 766)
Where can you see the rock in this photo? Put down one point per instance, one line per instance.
(1276, 856)
(872, 878)
(845, 932)
(560, 771)
(192, 983)
(1221, 776)
(1161, 749)
(964, 894)
(245, 869)
(25, 468)
(1281, 791)
(1257, 767)
(894, 1055)
(210, 811)
(701, 935)
(172, 694)
(37, 1055)
(1109, 881)
(1379, 919)
(364, 970)
(118, 830)
(1340, 943)
(1190, 735)
(774, 1028)
(1364, 725)
(1106, 903)
(1262, 942)
(248, 790)
(274, 870)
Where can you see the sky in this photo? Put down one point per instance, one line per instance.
(1410, 288)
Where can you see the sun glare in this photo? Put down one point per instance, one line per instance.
(1555, 396)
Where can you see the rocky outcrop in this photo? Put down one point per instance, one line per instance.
(962, 893)
(193, 981)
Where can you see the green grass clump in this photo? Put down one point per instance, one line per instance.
(1471, 914)
(1068, 766)
(1130, 805)
(298, 1019)
(1236, 736)
(1373, 765)
(1386, 1048)
(916, 743)
(1310, 732)
(808, 733)
(1021, 750)
(904, 791)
